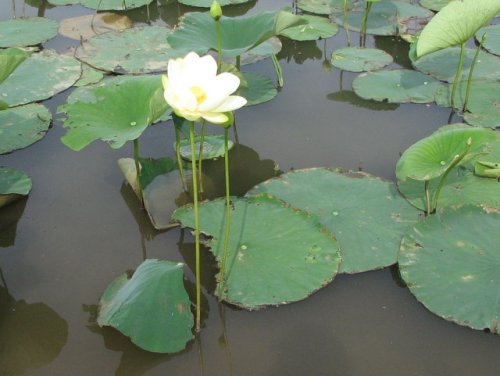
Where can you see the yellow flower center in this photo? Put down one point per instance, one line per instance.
(199, 94)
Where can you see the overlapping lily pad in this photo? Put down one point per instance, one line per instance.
(89, 25)
(208, 3)
(115, 110)
(105, 4)
(39, 77)
(367, 215)
(21, 32)
(10, 59)
(152, 307)
(322, 6)
(314, 28)
(450, 262)
(14, 184)
(396, 86)
(357, 59)
(277, 254)
(258, 88)
(23, 126)
(492, 42)
(213, 146)
(263, 51)
(89, 76)
(137, 50)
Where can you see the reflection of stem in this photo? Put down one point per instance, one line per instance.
(24, 8)
(457, 75)
(238, 62)
(471, 70)
(13, 8)
(143, 245)
(236, 139)
(196, 226)
(228, 215)
(179, 158)
(200, 355)
(222, 313)
(137, 166)
(3, 281)
(200, 154)
(427, 198)
(277, 68)
(42, 8)
(341, 79)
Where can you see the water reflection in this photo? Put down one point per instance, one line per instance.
(299, 52)
(8, 222)
(396, 47)
(351, 97)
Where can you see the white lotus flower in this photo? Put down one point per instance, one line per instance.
(194, 90)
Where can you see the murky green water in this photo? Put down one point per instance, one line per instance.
(81, 227)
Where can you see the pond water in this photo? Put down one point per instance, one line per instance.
(82, 226)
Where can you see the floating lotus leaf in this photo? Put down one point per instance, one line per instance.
(89, 76)
(116, 110)
(39, 77)
(357, 59)
(89, 25)
(22, 126)
(21, 32)
(450, 262)
(13, 185)
(353, 99)
(213, 147)
(396, 86)
(196, 31)
(492, 42)
(366, 214)
(443, 65)
(455, 24)
(277, 254)
(435, 5)
(208, 3)
(152, 307)
(322, 6)
(314, 28)
(133, 51)
(388, 17)
(487, 119)
(430, 157)
(10, 59)
(104, 4)
(258, 89)
(264, 50)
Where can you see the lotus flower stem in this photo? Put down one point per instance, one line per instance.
(219, 44)
(238, 62)
(179, 158)
(457, 75)
(277, 68)
(196, 225)
(228, 214)
(471, 70)
(200, 154)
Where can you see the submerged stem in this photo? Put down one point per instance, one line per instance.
(179, 158)
(471, 70)
(196, 225)
(457, 75)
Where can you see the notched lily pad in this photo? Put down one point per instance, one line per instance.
(357, 59)
(22, 32)
(14, 184)
(450, 262)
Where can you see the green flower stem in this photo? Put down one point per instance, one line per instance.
(179, 158)
(137, 165)
(200, 154)
(471, 70)
(238, 62)
(277, 68)
(346, 23)
(228, 214)
(219, 44)
(457, 75)
(364, 23)
(196, 226)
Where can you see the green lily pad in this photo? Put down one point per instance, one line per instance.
(133, 51)
(14, 184)
(258, 88)
(89, 76)
(396, 86)
(435, 5)
(116, 110)
(39, 77)
(22, 126)
(443, 65)
(357, 59)
(197, 32)
(388, 17)
(322, 6)
(152, 307)
(213, 147)
(105, 4)
(89, 25)
(208, 3)
(492, 42)
(277, 254)
(488, 119)
(272, 46)
(10, 59)
(450, 262)
(455, 23)
(314, 28)
(366, 214)
(21, 32)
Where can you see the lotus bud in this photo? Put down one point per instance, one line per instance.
(216, 10)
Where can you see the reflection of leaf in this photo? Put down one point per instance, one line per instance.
(355, 100)
(8, 222)
(299, 52)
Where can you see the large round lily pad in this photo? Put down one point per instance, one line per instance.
(322, 6)
(366, 214)
(396, 86)
(357, 59)
(277, 254)
(208, 3)
(21, 32)
(134, 51)
(492, 42)
(39, 77)
(258, 88)
(450, 262)
(105, 4)
(115, 110)
(314, 28)
(23, 126)
(13, 185)
(152, 307)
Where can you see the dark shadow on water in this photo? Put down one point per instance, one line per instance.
(396, 47)
(9, 216)
(396, 276)
(299, 52)
(351, 97)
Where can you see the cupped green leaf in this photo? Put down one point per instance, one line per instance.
(357, 59)
(116, 110)
(10, 58)
(450, 262)
(366, 214)
(277, 254)
(13, 185)
(455, 23)
(492, 41)
(134, 51)
(208, 3)
(23, 126)
(430, 157)
(396, 86)
(213, 147)
(39, 77)
(314, 28)
(21, 32)
(258, 88)
(104, 4)
(152, 307)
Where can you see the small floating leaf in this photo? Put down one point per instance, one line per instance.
(21, 32)
(313, 28)
(13, 185)
(152, 307)
(357, 59)
(258, 88)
